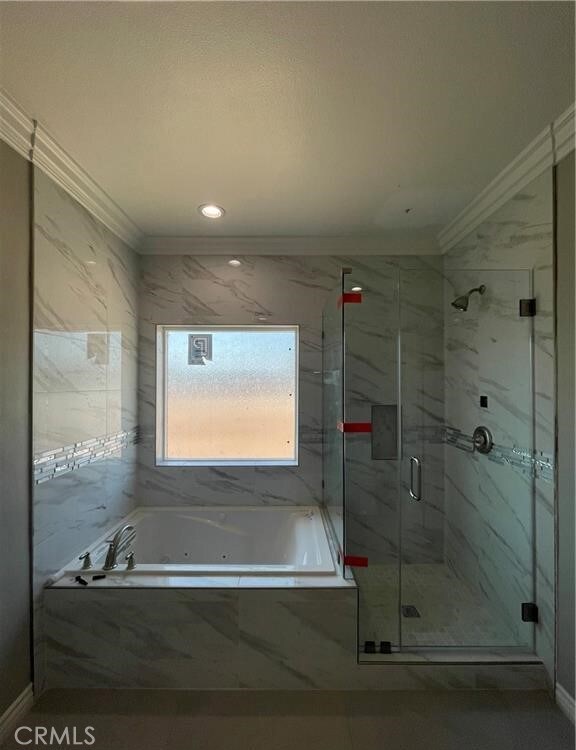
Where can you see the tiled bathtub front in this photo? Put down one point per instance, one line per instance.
(267, 639)
(200, 638)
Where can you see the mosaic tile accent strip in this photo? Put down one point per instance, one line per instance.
(53, 463)
(540, 465)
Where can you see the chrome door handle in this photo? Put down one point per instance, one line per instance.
(415, 494)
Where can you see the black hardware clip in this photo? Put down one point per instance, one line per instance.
(529, 612)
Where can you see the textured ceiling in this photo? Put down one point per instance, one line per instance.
(299, 118)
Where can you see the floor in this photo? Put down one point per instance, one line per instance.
(451, 613)
(248, 720)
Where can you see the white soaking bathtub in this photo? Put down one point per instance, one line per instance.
(222, 541)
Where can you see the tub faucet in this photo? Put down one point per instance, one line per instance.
(122, 539)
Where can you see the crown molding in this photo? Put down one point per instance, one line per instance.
(416, 242)
(34, 142)
(48, 156)
(563, 131)
(547, 149)
(16, 127)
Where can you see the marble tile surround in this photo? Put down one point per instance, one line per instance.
(297, 290)
(75, 299)
(206, 290)
(178, 289)
(85, 379)
(53, 463)
(254, 639)
(510, 250)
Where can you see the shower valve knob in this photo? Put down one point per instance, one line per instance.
(482, 439)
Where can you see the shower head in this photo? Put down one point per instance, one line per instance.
(461, 303)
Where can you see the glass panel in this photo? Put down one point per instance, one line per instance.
(467, 546)
(229, 394)
(371, 458)
(333, 410)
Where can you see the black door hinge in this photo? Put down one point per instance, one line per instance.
(528, 308)
(529, 612)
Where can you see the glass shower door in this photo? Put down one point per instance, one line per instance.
(332, 415)
(372, 448)
(466, 516)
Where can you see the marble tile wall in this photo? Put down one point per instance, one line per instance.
(206, 290)
(230, 638)
(85, 377)
(296, 290)
(500, 522)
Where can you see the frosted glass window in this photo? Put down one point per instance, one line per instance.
(227, 395)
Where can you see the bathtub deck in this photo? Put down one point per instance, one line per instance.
(134, 579)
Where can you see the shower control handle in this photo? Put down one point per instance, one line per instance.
(482, 440)
(415, 474)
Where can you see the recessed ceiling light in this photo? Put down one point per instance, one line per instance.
(211, 211)
(235, 262)
(356, 288)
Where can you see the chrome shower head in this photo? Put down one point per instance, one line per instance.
(461, 303)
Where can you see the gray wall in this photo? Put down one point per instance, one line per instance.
(15, 664)
(565, 386)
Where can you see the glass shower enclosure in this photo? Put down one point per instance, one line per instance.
(428, 437)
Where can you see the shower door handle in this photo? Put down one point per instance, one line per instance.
(415, 473)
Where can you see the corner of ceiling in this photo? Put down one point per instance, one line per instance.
(547, 149)
(32, 141)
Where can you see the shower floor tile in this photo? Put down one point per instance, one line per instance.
(451, 613)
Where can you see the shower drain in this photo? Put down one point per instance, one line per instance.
(409, 610)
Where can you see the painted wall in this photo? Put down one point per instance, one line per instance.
(565, 384)
(501, 521)
(85, 381)
(15, 663)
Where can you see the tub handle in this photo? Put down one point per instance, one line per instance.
(86, 561)
(130, 561)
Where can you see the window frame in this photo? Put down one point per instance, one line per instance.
(161, 381)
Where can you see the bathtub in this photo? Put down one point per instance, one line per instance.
(225, 541)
